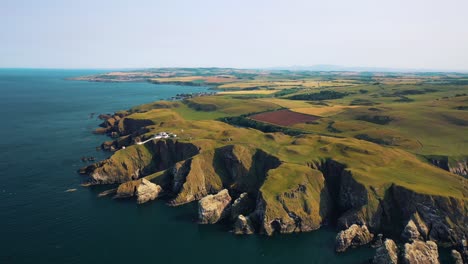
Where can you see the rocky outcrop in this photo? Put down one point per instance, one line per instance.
(462, 248)
(420, 252)
(387, 253)
(416, 229)
(353, 203)
(128, 126)
(353, 236)
(239, 168)
(302, 205)
(244, 168)
(350, 199)
(121, 124)
(439, 218)
(195, 178)
(142, 189)
(243, 205)
(459, 166)
(147, 191)
(243, 226)
(213, 208)
(139, 160)
(446, 216)
(456, 257)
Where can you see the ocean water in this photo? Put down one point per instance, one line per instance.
(46, 127)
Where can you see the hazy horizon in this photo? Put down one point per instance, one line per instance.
(418, 35)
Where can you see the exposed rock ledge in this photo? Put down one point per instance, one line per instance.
(213, 208)
(353, 236)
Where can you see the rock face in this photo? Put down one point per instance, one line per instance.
(462, 248)
(147, 191)
(420, 252)
(358, 204)
(122, 125)
(446, 216)
(416, 229)
(241, 168)
(151, 157)
(243, 226)
(142, 189)
(353, 236)
(387, 253)
(213, 208)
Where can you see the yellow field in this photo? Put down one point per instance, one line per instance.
(248, 92)
(322, 110)
(284, 84)
(206, 79)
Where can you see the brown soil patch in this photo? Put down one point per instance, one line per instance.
(284, 117)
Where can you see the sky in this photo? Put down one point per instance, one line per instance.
(404, 34)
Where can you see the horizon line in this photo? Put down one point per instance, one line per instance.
(340, 68)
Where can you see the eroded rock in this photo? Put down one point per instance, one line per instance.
(415, 229)
(420, 252)
(387, 253)
(243, 226)
(353, 236)
(213, 208)
(147, 191)
(242, 206)
(142, 189)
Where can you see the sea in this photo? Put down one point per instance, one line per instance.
(46, 127)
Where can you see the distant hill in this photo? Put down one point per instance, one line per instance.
(330, 67)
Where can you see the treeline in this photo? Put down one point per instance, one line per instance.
(244, 121)
(286, 92)
(322, 95)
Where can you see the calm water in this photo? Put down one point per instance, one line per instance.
(45, 129)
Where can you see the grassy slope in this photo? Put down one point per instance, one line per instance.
(427, 123)
(370, 163)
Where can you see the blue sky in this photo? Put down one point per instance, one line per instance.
(426, 34)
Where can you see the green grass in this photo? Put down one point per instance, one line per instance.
(190, 114)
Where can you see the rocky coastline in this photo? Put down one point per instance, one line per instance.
(229, 184)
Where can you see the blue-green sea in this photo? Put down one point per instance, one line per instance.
(46, 126)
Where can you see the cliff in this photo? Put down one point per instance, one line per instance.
(139, 160)
(283, 184)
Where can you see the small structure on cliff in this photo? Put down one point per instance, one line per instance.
(160, 135)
